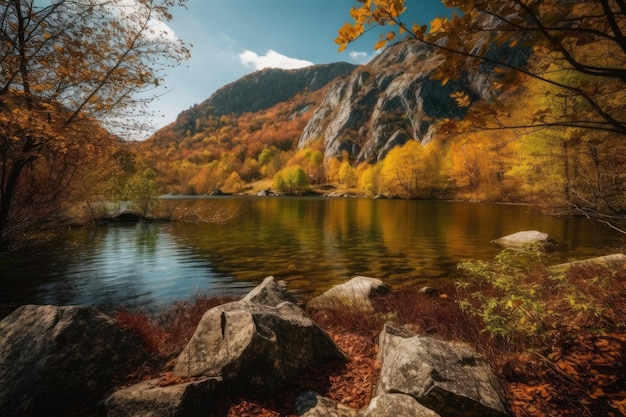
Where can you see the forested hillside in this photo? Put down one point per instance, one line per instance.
(506, 101)
(246, 131)
(402, 127)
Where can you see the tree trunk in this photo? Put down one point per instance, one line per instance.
(8, 191)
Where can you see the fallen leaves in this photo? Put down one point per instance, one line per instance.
(584, 377)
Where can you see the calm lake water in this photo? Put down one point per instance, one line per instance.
(312, 243)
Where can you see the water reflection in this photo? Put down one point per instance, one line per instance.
(313, 243)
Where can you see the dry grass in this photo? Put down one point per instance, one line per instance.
(166, 334)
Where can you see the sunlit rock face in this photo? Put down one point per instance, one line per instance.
(394, 99)
(263, 89)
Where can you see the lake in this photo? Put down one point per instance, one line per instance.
(312, 243)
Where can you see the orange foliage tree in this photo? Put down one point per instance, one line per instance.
(252, 145)
(569, 58)
(66, 64)
(584, 43)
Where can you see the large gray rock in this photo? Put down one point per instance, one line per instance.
(449, 378)
(259, 342)
(355, 294)
(388, 404)
(254, 345)
(311, 404)
(151, 399)
(527, 239)
(613, 261)
(421, 377)
(52, 358)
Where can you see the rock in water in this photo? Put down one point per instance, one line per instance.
(527, 240)
(354, 294)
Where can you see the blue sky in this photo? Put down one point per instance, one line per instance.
(232, 38)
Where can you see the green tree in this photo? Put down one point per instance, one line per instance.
(269, 160)
(66, 65)
(291, 180)
(141, 191)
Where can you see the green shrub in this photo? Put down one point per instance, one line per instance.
(291, 180)
(534, 305)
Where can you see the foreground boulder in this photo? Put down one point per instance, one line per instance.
(448, 378)
(311, 404)
(527, 240)
(254, 346)
(53, 358)
(421, 377)
(257, 343)
(355, 294)
(155, 399)
(392, 404)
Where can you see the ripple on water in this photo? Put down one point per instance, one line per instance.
(311, 243)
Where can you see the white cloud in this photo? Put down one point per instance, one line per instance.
(131, 12)
(271, 59)
(361, 57)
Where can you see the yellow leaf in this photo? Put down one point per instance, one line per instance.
(380, 44)
(436, 25)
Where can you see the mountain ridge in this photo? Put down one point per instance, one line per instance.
(261, 90)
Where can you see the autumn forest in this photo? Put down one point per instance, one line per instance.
(502, 101)
(549, 131)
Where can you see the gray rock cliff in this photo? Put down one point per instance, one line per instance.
(394, 99)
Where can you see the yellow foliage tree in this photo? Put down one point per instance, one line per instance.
(370, 178)
(234, 183)
(291, 180)
(312, 161)
(410, 170)
(585, 40)
(66, 64)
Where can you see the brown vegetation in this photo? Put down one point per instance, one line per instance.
(578, 371)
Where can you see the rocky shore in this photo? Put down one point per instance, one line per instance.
(71, 360)
(52, 357)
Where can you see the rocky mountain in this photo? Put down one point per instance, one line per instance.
(261, 90)
(393, 99)
(364, 110)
